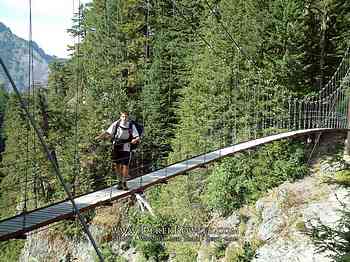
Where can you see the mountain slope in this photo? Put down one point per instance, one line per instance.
(14, 52)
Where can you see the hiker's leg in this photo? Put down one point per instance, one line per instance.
(124, 174)
(115, 169)
(118, 170)
(115, 163)
(119, 175)
(125, 171)
(121, 168)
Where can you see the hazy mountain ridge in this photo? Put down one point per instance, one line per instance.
(14, 52)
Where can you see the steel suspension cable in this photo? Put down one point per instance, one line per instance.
(343, 66)
(30, 57)
(78, 83)
(198, 34)
(298, 118)
(50, 157)
(146, 83)
(32, 84)
(171, 59)
(240, 49)
(307, 107)
(236, 82)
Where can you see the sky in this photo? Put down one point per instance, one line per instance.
(50, 20)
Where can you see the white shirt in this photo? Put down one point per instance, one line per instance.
(123, 133)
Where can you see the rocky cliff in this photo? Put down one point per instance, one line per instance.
(15, 54)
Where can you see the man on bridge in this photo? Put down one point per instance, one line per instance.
(122, 133)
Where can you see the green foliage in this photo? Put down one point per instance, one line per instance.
(192, 98)
(10, 250)
(282, 37)
(219, 249)
(144, 222)
(326, 30)
(244, 178)
(335, 239)
(14, 166)
(150, 231)
(108, 254)
(153, 250)
(186, 252)
(72, 229)
(242, 254)
(343, 178)
(300, 226)
(176, 205)
(340, 177)
(4, 96)
(181, 199)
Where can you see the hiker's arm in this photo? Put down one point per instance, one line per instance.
(104, 136)
(136, 136)
(135, 140)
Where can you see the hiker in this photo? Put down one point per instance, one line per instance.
(123, 133)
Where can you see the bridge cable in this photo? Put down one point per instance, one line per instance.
(77, 139)
(242, 51)
(105, 54)
(211, 47)
(30, 57)
(198, 34)
(335, 124)
(78, 84)
(143, 97)
(32, 121)
(49, 155)
(224, 27)
(308, 106)
(34, 93)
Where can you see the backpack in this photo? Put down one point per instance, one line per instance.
(139, 128)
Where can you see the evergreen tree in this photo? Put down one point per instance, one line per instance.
(326, 32)
(169, 37)
(282, 38)
(15, 159)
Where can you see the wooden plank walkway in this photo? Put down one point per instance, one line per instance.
(18, 225)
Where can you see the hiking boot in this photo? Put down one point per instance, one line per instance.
(120, 186)
(124, 186)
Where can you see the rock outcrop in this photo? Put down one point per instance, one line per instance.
(15, 54)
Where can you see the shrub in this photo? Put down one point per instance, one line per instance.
(343, 177)
(242, 254)
(244, 178)
(11, 250)
(148, 233)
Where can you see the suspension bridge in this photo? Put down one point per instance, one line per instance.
(17, 226)
(325, 111)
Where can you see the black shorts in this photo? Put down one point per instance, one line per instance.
(120, 157)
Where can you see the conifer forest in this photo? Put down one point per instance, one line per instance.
(183, 69)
